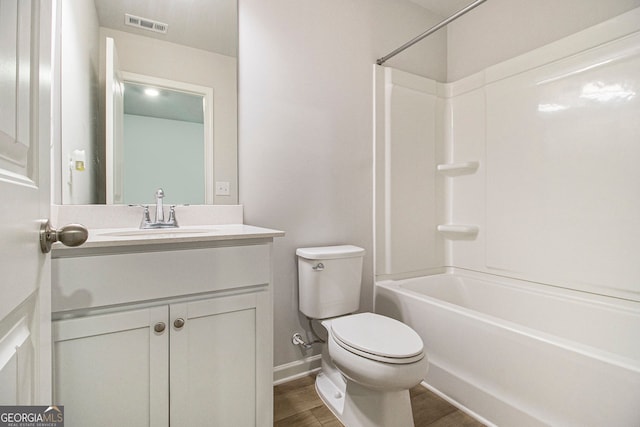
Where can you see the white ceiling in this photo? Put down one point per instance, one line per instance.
(207, 24)
(444, 8)
(204, 24)
(168, 104)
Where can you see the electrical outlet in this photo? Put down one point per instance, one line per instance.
(222, 188)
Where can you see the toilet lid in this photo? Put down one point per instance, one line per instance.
(378, 337)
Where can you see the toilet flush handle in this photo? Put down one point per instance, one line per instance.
(318, 267)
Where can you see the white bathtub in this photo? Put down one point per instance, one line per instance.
(516, 353)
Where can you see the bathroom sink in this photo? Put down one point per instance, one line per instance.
(196, 234)
(158, 232)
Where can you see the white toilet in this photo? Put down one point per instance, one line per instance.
(370, 361)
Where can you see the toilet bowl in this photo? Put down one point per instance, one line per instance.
(360, 381)
(369, 361)
(376, 351)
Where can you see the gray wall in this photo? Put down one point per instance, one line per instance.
(79, 103)
(306, 126)
(501, 29)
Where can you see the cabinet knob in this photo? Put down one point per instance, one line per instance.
(159, 327)
(178, 323)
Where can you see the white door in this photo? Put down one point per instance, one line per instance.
(114, 108)
(25, 130)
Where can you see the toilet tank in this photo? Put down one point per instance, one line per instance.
(329, 280)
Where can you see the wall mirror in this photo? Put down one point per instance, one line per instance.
(110, 148)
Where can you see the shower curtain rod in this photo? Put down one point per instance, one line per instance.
(430, 31)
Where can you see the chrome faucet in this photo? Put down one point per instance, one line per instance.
(146, 223)
(159, 207)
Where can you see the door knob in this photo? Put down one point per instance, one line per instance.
(159, 327)
(69, 235)
(178, 323)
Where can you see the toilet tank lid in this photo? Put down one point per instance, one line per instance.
(330, 252)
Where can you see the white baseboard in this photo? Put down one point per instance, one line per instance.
(296, 369)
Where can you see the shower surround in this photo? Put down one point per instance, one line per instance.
(525, 171)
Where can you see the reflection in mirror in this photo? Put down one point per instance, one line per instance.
(199, 48)
(163, 145)
(158, 134)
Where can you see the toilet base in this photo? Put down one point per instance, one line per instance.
(357, 406)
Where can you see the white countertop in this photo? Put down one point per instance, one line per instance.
(114, 237)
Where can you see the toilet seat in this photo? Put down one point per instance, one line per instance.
(378, 338)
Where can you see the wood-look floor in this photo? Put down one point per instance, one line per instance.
(297, 404)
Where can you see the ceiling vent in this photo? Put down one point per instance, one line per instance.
(145, 24)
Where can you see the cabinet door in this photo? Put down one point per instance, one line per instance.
(112, 369)
(221, 362)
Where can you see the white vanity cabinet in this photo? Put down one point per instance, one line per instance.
(232, 332)
(112, 367)
(163, 335)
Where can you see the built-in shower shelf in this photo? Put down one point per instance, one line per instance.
(460, 168)
(460, 231)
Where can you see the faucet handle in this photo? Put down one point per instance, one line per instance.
(146, 217)
(172, 216)
(145, 207)
(145, 214)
